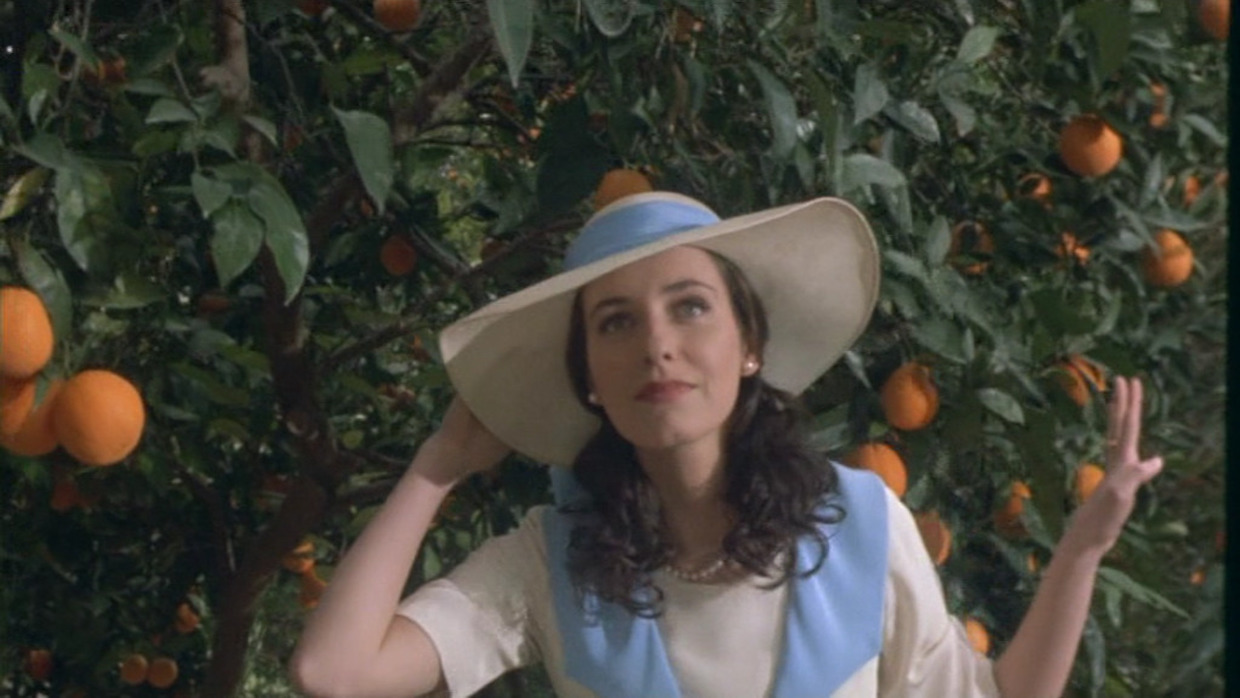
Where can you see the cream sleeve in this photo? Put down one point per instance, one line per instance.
(481, 615)
(925, 651)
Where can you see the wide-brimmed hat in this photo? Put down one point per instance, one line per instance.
(814, 264)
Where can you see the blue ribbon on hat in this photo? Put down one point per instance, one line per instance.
(631, 225)
(833, 623)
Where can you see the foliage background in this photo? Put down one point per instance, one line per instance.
(206, 220)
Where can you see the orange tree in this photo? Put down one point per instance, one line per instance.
(201, 194)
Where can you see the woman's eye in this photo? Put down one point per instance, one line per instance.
(613, 322)
(691, 307)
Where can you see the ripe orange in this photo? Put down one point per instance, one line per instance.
(397, 255)
(883, 460)
(935, 534)
(26, 337)
(312, 8)
(684, 25)
(16, 399)
(1032, 563)
(187, 621)
(1070, 249)
(1088, 476)
(978, 637)
(38, 664)
(36, 436)
(973, 239)
(1089, 146)
(618, 184)
(312, 588)
(65, 495)
(1007, 518)
(301, 559)
(99, 417)
(163, 672)
(1171, 264)
(1079, 377)
(910, 399)
(1192, 189)
(1215, 16)
(1159, 116)
(398, 15)
(1036, 186)
(134, 669)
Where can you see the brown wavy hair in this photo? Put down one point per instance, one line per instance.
(775, 484)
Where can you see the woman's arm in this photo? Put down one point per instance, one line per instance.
(1039, 659)
(354, 644)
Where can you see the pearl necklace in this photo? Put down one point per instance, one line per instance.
(699, 575)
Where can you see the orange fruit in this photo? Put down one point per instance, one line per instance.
(1007, 518)
(99, 417)
(163, 672)
(1089, 146)
(398, 15)
(618, 184)
(977, 634)
(397, 255)
(1171, 264)
(38, 664)
(1088, 476)
(1036, 186)
(1032, 563)
(909, 398)
(973, 239)
(312, 8)
(37, 435)
(1159, 116)
(1192, 189)
(301, 559)
(312, 588)
(16, 400)
(134, 669)
(65, 495)
(26, 337)
(935, 534)
(1079, 377)
(1215, 16)
(1070, 249)
(187, 621)
(882, 460)
(1198, 577)
(684, 25)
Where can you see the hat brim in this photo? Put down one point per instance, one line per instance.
(815, 265)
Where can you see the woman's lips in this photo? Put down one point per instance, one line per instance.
(662, 391)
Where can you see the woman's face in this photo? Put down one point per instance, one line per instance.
(664, 349)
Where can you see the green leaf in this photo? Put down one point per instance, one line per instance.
(782, 109)
(210, 193)
(45, 149)
(861, 169)
(611, 17)
(720, 10)
(129, 291)
(286, 233)
(83, 205)
(938, 241)
(869, 93)
(238, 238)
(1111, 577)
(941, 336)
(962, 112)
(916, 119)
(1206, 128)
(977, 44)
(150, 87)
(513, 22)
(22, 191)
(263, 126)
(76, 45)
(170, 111)
(905, 264)
(370, 142)
(49, 283)
(1002, 404)
(1111, 26)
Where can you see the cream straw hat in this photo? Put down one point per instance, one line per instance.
(814, 264)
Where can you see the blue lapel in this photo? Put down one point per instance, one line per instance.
(833, 627)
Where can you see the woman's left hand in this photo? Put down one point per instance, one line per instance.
(1098, 522)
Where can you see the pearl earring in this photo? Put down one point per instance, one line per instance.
(751, 366)
(592, 398)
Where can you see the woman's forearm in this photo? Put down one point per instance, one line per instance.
(346, 631)
(1038, 661)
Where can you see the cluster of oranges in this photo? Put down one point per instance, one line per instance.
(300, 561)
(96, 415)
(160, 672)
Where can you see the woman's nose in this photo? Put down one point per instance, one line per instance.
(660, 341)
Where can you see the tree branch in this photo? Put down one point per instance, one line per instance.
(420, 65)
(438, 86)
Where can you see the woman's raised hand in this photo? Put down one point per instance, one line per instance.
(462, 445)
(1099, 521)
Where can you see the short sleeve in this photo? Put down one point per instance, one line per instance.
(480, 616)
(926, 653)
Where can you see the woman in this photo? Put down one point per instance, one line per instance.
(701, 548)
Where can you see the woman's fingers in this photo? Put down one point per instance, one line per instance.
(1131, 441)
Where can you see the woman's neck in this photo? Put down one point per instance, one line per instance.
(690, 483)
